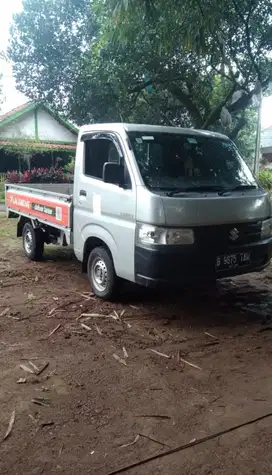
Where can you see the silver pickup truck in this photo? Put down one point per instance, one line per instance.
(152, 205)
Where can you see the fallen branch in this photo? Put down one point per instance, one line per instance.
(161, 354)
(42, 369)
(41, 402)
(154, 416)
(131, 443)
(52, 311)
(55, 330)
(153, 440)
(89, 315)
(212, 336)
(191, 444)
(190, 364)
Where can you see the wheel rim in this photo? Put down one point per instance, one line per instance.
(28, 242)
(99, 274)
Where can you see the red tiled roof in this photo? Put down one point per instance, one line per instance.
(14, 111)
(37, 145)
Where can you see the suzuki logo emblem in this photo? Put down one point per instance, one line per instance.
(234, 234)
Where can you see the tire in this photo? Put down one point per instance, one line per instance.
(33, 242)
(101, 273)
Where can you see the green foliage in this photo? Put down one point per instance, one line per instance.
(265, 179)
(48, 39)
(95, 61)
(246, 137)
(70, 165)
(1, 90)
(2, 193)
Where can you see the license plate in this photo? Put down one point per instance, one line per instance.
(231, 261)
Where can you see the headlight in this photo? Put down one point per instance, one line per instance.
(266, 228)
(148, 234)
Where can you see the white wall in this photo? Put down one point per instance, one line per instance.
(21, 128)
(50, 129)
(266, 138)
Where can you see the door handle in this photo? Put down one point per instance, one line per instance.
(83, 193)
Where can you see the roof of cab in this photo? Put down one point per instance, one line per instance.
(145, 128)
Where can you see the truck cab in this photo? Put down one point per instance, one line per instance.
(169, 206)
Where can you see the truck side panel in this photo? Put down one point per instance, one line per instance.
(52, 210)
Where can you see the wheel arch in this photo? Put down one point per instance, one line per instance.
(95, 236)
(91, 243)
(20, 225)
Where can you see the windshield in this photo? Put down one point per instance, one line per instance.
(177, 161)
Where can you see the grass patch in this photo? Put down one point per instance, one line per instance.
(2, 193)
(7, 227)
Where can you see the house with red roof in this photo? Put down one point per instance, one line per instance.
(36, 132)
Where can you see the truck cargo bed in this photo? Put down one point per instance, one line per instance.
(49, 203)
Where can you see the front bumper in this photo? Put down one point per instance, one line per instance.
(178, 265)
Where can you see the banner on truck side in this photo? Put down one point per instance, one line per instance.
(51, 211)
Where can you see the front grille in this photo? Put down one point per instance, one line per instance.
(219, 237)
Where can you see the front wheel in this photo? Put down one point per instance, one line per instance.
(33, 242)
(101, 273)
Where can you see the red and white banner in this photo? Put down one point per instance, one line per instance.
(53, 211)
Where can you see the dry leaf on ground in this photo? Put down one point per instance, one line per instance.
(5, 312)
(33, 366)
(27, 369)
(119, 359)
(10, 426)
(98, 330)
(86, 327)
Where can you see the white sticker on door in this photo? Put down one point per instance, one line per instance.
(96, 204)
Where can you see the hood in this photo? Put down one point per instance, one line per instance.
(212, 209)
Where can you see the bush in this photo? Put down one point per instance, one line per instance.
(70, 165)
(265, 179)
(41, 175)
(2, 193)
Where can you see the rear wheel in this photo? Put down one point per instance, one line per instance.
(101, 273)
(33, 242)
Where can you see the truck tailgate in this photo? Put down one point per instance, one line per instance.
(51, 208)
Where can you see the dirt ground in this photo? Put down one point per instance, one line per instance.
(105, 386)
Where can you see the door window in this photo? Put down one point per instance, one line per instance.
(99, 151)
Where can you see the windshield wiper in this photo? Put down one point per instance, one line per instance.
(238, 188)
(197, 189)
(217, 189)
(243, 187)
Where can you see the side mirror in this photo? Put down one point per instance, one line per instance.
(113, 173)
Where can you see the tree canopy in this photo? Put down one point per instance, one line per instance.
(152, 61)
